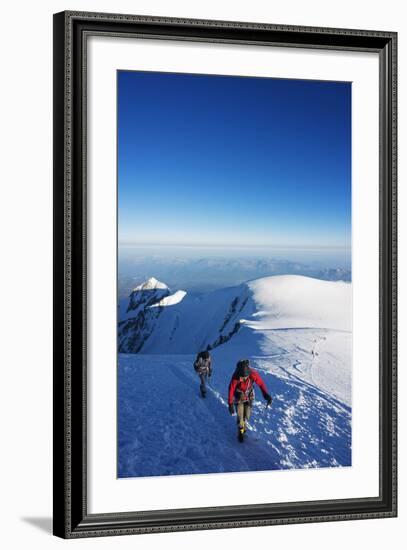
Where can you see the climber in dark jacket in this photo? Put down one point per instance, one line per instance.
(241, 393)
(203, 367)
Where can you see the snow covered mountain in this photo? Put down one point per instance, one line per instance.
(153, 320)
(297, 333)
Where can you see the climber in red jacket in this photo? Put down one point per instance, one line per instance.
(241, 393)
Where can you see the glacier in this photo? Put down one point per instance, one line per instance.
(297, 333)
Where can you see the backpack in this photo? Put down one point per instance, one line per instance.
(202, 362)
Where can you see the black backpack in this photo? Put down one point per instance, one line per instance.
(202, 360)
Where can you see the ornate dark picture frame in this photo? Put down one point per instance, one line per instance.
(71, 517)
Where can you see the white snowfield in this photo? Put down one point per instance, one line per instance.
(293, 301)
(296, 332)
(171, 300)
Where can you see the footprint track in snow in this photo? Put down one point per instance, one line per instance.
(303, 428)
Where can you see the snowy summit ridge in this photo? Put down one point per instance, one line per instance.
(296, 332)
(151, 284)
(241, 319)
(156, 321)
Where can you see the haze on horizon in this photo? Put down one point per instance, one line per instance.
(200, 269)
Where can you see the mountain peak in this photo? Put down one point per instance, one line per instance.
(152, 284)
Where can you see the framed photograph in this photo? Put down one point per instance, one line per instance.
(224, 274)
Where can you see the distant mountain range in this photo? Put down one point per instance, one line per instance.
(211, 273)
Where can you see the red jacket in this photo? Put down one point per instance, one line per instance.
(241, 388)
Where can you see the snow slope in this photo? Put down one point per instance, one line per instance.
(293, 301)
(295, 330)
(166, 428)
(195, 322)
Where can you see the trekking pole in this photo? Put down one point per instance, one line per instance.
(268, 404)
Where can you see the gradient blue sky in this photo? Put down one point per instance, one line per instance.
(233, 161)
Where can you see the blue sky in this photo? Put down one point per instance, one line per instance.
(232, 161)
